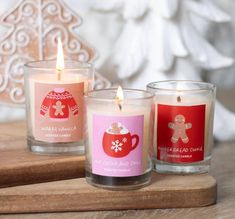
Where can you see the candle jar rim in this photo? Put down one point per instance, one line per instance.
(91, 94)
(164, 86)
(45, 65)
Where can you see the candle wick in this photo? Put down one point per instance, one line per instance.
(120, 106)
(118, 102)
(178, 99)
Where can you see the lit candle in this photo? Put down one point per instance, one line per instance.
(119, 97)
(118, 138)
(59, 60)
(54, 99)
(183, 133)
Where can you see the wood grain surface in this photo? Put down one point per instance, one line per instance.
(18, 166)
(223, 169)
(165, 191)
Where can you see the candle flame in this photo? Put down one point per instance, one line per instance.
(60, 56)
(119, 97)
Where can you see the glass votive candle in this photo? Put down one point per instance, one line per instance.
(183, 126)
(55, 106)
(118, 138)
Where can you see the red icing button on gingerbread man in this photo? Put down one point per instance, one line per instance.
(179, 126)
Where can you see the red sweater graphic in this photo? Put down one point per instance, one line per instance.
(58, 102)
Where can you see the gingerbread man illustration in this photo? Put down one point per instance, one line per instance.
(58, 108)
(179, 126)
(115, 129)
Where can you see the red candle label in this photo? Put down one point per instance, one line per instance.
(180, 133)
(117, 145)
(58, 112)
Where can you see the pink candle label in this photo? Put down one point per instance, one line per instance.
(58, 112)
(180, 133)
(117, 145)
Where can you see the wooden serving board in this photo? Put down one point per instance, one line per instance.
(18, 166)
(165, 191)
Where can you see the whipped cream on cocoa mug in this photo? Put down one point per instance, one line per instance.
(117, 128)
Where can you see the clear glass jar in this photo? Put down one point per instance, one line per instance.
(183, 126)
(55, 106)
(118, 139)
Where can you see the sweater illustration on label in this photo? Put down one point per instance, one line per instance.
(58, 102)
(118, 145)
(58, 112)
(180, 133)
(118, 142)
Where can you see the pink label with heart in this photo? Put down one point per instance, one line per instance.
(58, 110)
(117, 145)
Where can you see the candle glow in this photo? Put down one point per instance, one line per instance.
(60, 59)
(119, 97)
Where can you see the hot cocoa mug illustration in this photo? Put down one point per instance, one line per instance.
(118, 141)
